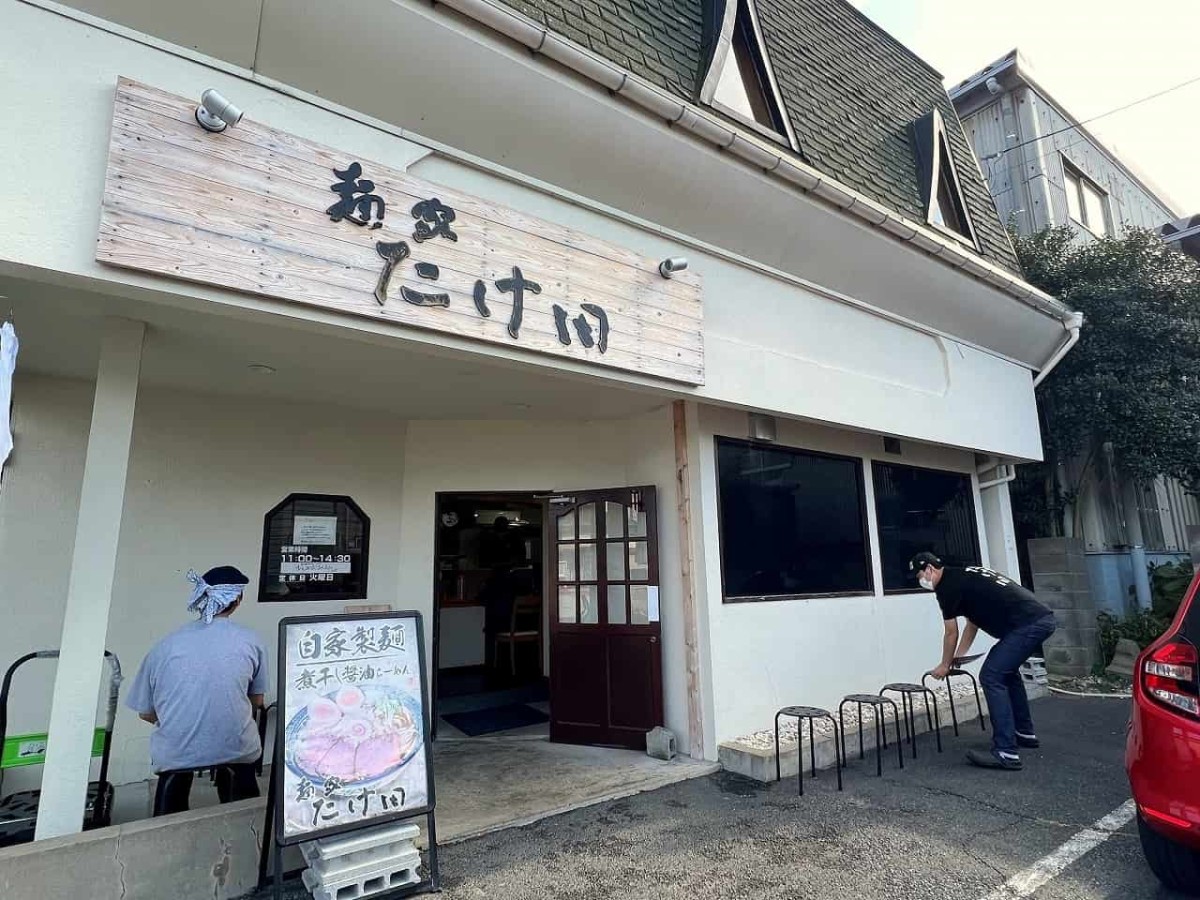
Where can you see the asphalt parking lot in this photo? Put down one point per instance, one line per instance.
(939, 830)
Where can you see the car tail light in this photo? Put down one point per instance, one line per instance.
(1169, 674)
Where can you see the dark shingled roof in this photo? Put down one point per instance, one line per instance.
(850, 90)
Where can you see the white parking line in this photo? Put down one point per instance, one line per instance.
(1024, 883)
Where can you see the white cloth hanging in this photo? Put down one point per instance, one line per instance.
(8, 365)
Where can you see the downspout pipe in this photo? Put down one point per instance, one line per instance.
(1003, 479)
(1073, 323)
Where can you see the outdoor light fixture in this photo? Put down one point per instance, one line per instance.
(215, 113)
(670, 266)
(993, 86)
(762, 427)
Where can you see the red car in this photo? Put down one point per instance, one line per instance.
(1162, 754)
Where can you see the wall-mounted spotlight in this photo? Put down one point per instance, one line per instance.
(670, 266)
(215, 113)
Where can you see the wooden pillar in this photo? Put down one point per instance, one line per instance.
(89, 591)
(687, 563)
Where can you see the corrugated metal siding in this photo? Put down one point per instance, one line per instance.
(986, 131)
(1179, 510)
(1128, 202)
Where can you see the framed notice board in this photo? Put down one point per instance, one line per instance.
(315, 547)
(352, 743)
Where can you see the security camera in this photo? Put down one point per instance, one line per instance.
(993, 85)
(215, 113)
(669, 267)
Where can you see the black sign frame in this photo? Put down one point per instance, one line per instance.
(273, 827)
(265, 579)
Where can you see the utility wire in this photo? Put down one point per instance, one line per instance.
(1102, 115)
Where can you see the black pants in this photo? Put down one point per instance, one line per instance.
(235, 781)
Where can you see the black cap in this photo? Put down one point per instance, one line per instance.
(225, 575)
(918, 563)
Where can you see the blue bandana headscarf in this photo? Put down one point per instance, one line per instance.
(212, 599)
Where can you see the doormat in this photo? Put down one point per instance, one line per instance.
(499, 718)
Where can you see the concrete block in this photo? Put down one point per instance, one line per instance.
(1055, 548)
(758, 762)
(661, 744)
(367, 878)
(1070, 661)
(206, 854)
(1076, 621)
(1124, 658)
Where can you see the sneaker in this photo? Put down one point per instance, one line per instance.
(990, 759)
(1028, 740)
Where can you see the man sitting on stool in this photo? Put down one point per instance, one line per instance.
(1006, 611)
(200, 686)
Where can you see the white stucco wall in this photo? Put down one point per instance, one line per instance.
(547, 457)
(769, 654)
(203, 471)
(771, 342)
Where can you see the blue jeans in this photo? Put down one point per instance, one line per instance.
(1000, 678)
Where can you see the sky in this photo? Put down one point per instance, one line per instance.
(1091, 56)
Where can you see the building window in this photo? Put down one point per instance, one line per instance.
(923, 509)
(942, 196)
(1086, 203)
(744, 86)
(792, 523)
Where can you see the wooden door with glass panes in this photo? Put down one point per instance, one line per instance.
(605, 634)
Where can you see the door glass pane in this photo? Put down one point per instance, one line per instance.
(614, 520)
(589, 604)
(566, 605)
(639, 604)
(566, 526)
(637, 522)
(587, 562)
(566, 562)
(639, 561)
(616, 561)
(587, 522)
(616, 604)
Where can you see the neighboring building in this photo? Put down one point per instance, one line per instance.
(208, 329)
(1184, 235)
(1046, 169)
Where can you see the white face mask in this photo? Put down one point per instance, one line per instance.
(925, 582)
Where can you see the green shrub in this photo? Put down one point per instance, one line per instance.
(1142, 627)
(1168, 583)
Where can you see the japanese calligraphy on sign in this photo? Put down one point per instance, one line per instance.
(315, 547)
(264, 212)
(352, 722)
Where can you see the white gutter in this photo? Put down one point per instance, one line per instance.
(758, 153)
(1074, 322)
(1003, 479)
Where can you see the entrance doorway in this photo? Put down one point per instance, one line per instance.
(547, 616)
(490, 632)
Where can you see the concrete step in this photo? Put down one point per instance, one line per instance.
(754, 755)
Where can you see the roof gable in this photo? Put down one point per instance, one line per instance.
(849, 90)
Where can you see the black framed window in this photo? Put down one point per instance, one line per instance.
(923, 509)
(793, 523)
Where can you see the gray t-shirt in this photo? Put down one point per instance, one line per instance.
(198, 681)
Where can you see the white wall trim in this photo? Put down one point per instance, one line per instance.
(794, 172)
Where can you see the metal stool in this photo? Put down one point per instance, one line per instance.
(978, 703)
(809, 712)
(878, 703)
(906, 690)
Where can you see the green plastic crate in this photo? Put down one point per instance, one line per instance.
(30, 749)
